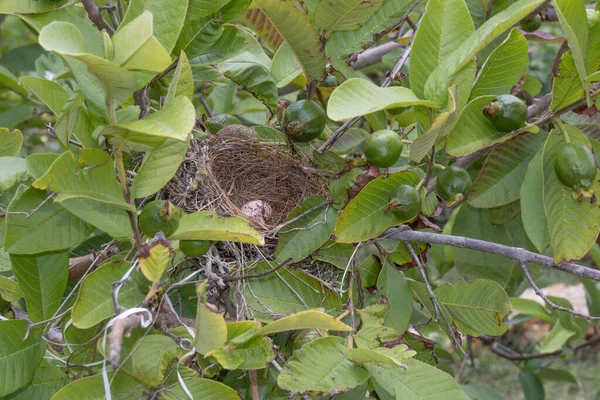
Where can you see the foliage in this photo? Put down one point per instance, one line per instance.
(108, 109)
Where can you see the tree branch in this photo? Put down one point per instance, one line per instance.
(96, 17)
(405, 234)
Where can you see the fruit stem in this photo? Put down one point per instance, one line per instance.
(404, 141)
(438, 166)
(420, 184)
(562, 129)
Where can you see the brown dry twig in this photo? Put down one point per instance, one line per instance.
(96, 16)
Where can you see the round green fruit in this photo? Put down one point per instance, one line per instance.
(159, 216)
(382, 148)
(303, 121)
(218, 122)
(405, 203)
(194, 248)
(452, 184)
(506, 112)
(531, 24)
(329, 82)
(575, 167)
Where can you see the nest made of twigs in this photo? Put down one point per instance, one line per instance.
(223, 173)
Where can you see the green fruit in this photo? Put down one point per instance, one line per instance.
(303, 121)
(159, 216)
(575, 167)
(382, 149)
(194, 248)
(329, 82)
(405, 203)
(531, 24)
(506, 112)
(452, 184)
(218, 122)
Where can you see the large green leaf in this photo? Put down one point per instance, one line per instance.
(50, 228)
(150, 358)
(471, 264)
(556, 339)
(232, 42)
(10, 81)
(49, 92)
(566, 87)
(249, 73)
(287, 291)
(285, 67)
(473, 130)
(300, 238)
(66, 39)
(201, 8)
(437, 83)
(299, 33)
(391, 284)
(31, 6)
(321, 366)
(311, 319)
(343, 43)
(365, 216)
(108, 218)
(532, 194)
(48, 379)
(208, 225)
(381, 355)
(336, 254)
(345, 104)
(10, 142)
(504, 67)
(197, 36)
(344, 15)
(158, 167)
(573, 225)
(174, 121)
(136, 48)
(445, 25)
(12, 170)
(122, 386)
(182, 83)
(94, 301)
(168, 18)
(9, 289)
(574, 23)
(500, 178)
(200, 388)
(43, 279)
(418, 381)
(211, 329)
(18, 357)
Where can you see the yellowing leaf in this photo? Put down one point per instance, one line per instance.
(211, 329)
(154, 260)
(310, 319)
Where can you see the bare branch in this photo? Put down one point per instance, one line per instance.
(96, 17)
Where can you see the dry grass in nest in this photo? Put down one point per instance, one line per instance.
(223, 173)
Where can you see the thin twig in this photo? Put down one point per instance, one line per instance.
(259, 275)
(96, 17)
(120, 9)
(207, 108)
(436, 305)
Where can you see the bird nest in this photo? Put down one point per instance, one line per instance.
(224, 173)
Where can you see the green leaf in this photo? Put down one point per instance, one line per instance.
(336, 254)
(445, 25)
(159, 166)
(301, 238)
(500, 178)
(311, 319)
(154, 259)
(12, 171)
(168, 19)
(50, 228)
(573, 225)
(381, 355)
(18, 357)
(151, 357)
(253, 353)
(365, 217)
(201, 389)
(391, 284)
(503, 68)
(481, 392)
(248, 72)
(321, 366)
(532, 194)
(418, 381)
(344, 104)
(122, 386)
(135, 47)
(197, 36)
(94, 301)
(108, 218)
(183, 81)
(31, 6)
(285, 67)
(556, 339)
(344, 15)
(47, 380)
(9, 289)
(286, 291)
(574, 23)
(201, 8)
(473, 130)
(233, 41)
(437, 82)
(208, 225)
(174, 121)
(299, 33)
(566, 87)
(49, 92)
(10, 81)
(43, 279)
(471, 264)
(532, 386)
(530, 308)
(557, 375)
